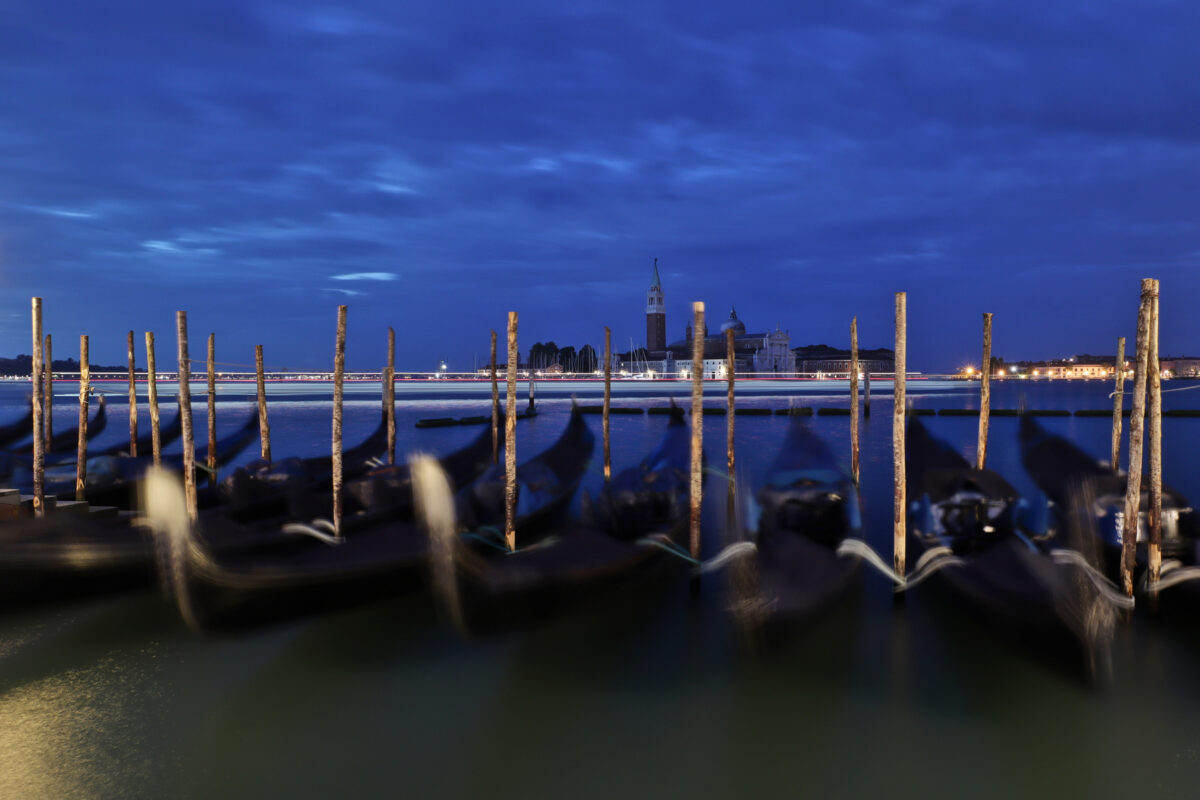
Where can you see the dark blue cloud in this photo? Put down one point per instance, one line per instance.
(235, 158)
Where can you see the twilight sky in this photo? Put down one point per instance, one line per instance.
(435, 164)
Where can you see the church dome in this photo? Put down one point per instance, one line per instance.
(733, 323)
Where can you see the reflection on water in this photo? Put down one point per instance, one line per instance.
(653, 694)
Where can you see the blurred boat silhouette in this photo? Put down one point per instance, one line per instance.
(628, 530)
(1065, 473)
(807, 506)
(1000, 555)
(382, 552)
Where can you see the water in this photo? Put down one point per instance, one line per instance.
(114, 697)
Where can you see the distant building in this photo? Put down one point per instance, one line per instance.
(816, 358)
(656, 315)
(766, 353)
(1180, 367)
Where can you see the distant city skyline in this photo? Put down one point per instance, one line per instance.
(258, 162)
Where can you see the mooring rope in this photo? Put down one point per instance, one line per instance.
(1173, 573)
(1108, 590)
(310, 530)
(1111, 395)
(931, 561)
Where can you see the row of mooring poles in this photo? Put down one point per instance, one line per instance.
(212, 410)
(899, 508)
(133, 415)
(39, 443)
(607, 401)
(1118, 402)
(48, 370)
(85, 388)
(985, 393)
(510, 438)
(389, 395)
(495, 406)
(854, 399)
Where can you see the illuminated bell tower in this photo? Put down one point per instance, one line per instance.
(656, 315)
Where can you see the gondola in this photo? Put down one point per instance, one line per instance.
(1063, 470)
(307, 574)
(16, 431)
(625, 533)
(145, 442)
(806, 508)
(269, 488)
(63, 444)
(1002, 551)
(64, 554)
(112, 480)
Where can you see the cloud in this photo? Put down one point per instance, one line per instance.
(366, 276)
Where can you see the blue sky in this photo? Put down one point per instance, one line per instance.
(435, 164)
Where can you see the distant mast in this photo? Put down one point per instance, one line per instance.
(656, 315)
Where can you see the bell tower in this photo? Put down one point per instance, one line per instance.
(656, 315)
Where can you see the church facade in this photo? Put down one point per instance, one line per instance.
(765, 354)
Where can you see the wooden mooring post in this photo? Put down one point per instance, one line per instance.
(133, 420)
(730, 364)
(510, 438)
(389, 395)
(495, 406)
(1154, 518)
(854, 399)
(212, 410)
(985, 392)
(39, 443)
(1133, 486)
(85, 389)
(48, 371)
(264, 424)
(339, 372)
(152, 399)
(1118, 402)
(697, 465)
(866, 394)
(900, 506)
(607, 400)
(185, 415)
(532, 409)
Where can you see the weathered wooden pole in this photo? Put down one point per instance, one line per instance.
(185, 414)
(607, 400)
(531, 409)
(1155, 432)
(1118, 402)
(985, 393)
(867, 393)
(339, 371)
(854, 399)
(133, 422)
(389, 396)
(85, 388)
(39, 444)
(900, 507)
(510, 438)
(730, 364)
(264, 424)
(48, 371)
(1133, 486)
(697, 426)
(152, 398)
(212, 410)
(495, 407)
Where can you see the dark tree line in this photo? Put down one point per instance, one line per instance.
(23, 365)
(545, 354)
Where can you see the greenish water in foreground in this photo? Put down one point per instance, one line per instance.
(115, 697)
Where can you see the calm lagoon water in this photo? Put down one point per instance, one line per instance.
(115, 697)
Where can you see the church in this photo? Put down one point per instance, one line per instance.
(764, 355)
